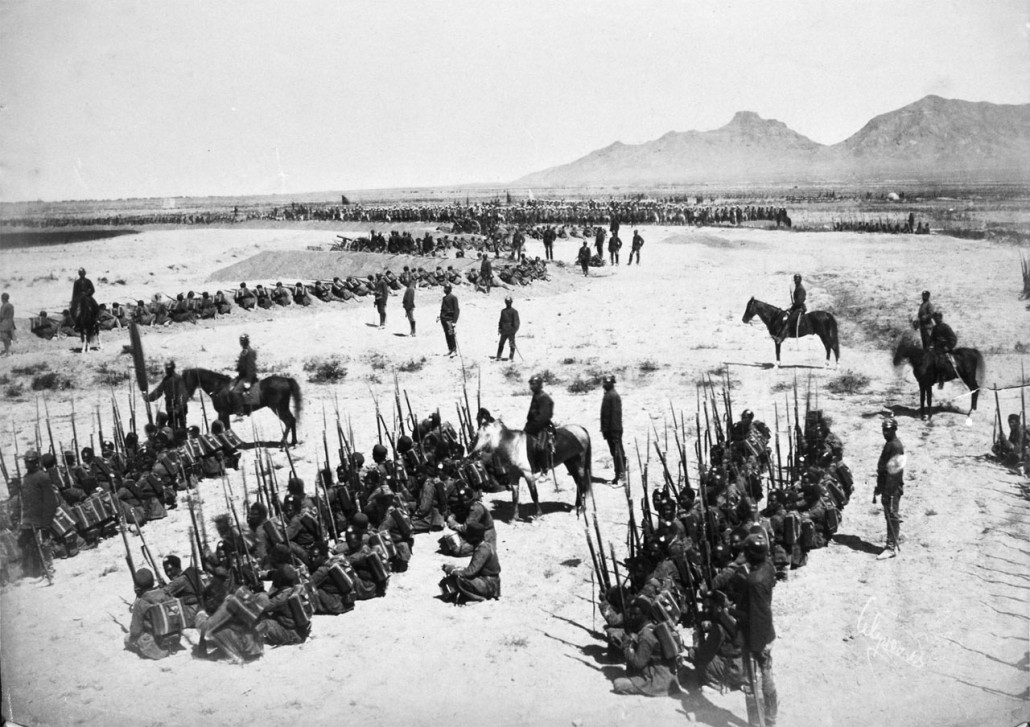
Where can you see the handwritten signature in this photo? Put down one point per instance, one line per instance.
(872, 623)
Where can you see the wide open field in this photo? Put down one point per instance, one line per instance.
(937, 636)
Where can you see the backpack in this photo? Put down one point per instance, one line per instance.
(301, 607)
(166, 618)
(342, 576)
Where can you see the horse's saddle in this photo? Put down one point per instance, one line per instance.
(798, 324)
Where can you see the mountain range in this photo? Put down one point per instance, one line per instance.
(934, 139)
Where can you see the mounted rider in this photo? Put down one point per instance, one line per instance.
(81, 288)
(924, 320)
(942, 342)
(791, 318)
(539, 427)
(246, 375)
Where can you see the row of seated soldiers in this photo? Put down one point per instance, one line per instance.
(906, 227)
(322, 554)
(686, 571)
(137, 482)
(403, 243)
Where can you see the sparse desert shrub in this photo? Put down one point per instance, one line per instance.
(549, 378)
(413, 365)
(781, 386)
(13, 390)
(31, 369)
(584, 384)
(325, 370)
(110, 376)
(513, 373)
(51, 381)
(568, 361)
(848, 383)
(377, 361)
(648, 366)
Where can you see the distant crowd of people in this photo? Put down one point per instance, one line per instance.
(908, 226)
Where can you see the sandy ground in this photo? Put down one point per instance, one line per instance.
(937, 636)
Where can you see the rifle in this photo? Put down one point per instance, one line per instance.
(997, 411)
(779, 458)
(203, 410)
(665, 467)
(100, 428)
(39, 440)
(251, 566)
(75, 436)
(147, 555)
(49, 430)
(132, 408)
(634, 536)
(615, 563)
(1022, 416)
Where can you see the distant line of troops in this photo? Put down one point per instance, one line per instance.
(318, 553)
(711, 565)
(189, 307)
(907, 227)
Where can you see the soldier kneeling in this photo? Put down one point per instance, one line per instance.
(157, 620)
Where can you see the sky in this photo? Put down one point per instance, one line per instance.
(105, 99)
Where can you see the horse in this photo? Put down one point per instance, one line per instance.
(969, 367)
(275, 392)
(820, 323)
(508, 447)
(86, 315)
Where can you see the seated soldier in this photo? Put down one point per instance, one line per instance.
(157, 622)
(187, 586)
(372, 573)
(300, 294)
(180, 312)
(67, 325)
(142, 315)
(280, 296)
(469, 510)
(335, 582)
(208, 308)
(44, 327)
(287, 618)
(340, 290)
(322, 292)
(264, 300)
(119, 314)
(222, 304)
(651, 673)
(1008, 448)
(160, 310)
(304, 533)
(245, 298)
(481, 578)
(225, 634)
(105, 319)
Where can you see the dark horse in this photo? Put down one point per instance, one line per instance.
(969, 366)
(86, 314)
(818, 322)
(274, 392)
(571, 448)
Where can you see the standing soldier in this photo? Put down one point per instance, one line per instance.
(382, 292)
(756, 626)
(507, 327)
(584, 257)
(409, 302)
(549, 237)
(246, 374)
(890, 482)
(797, 308)
(924, 320)
(174, 391)
(486, 274)
(38, 507)
(614, 245)
(599, 236)
(449, 311)
(611, 426)
(6, 323)
(638, 242)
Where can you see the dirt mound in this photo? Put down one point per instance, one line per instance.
(311, 265)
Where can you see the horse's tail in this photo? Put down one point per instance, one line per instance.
(297, 400)
(587, 466)
(981, 367)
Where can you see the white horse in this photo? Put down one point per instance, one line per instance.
(508, 447)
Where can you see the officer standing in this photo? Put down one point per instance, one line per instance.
(174, 391)
(449, 312)
(890, 483)
(611, 426)
(408, 302)
(507, 327)
(38, 507)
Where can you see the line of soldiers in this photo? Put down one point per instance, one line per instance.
(910, 226)
(707, 559)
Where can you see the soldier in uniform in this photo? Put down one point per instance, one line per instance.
(1008, 448)
(141, 638)
(449, 312)
(264, 300)
(924, 320)
(614, 245)
(222, 303)
(81, 288)
(599, 237)
(6, 323)
(245, 298)
(507, 327)
(481, 578)
(246, 373)
(408, 302)
(44, 327)
(176, 402)
(797, 308)
(486, 273)
(756, 621)
(890, 483)
(584, 257)
(638, 242)
(943, 341)
(382, 293)
(38, 506)
(611, 425)
(538, 421)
